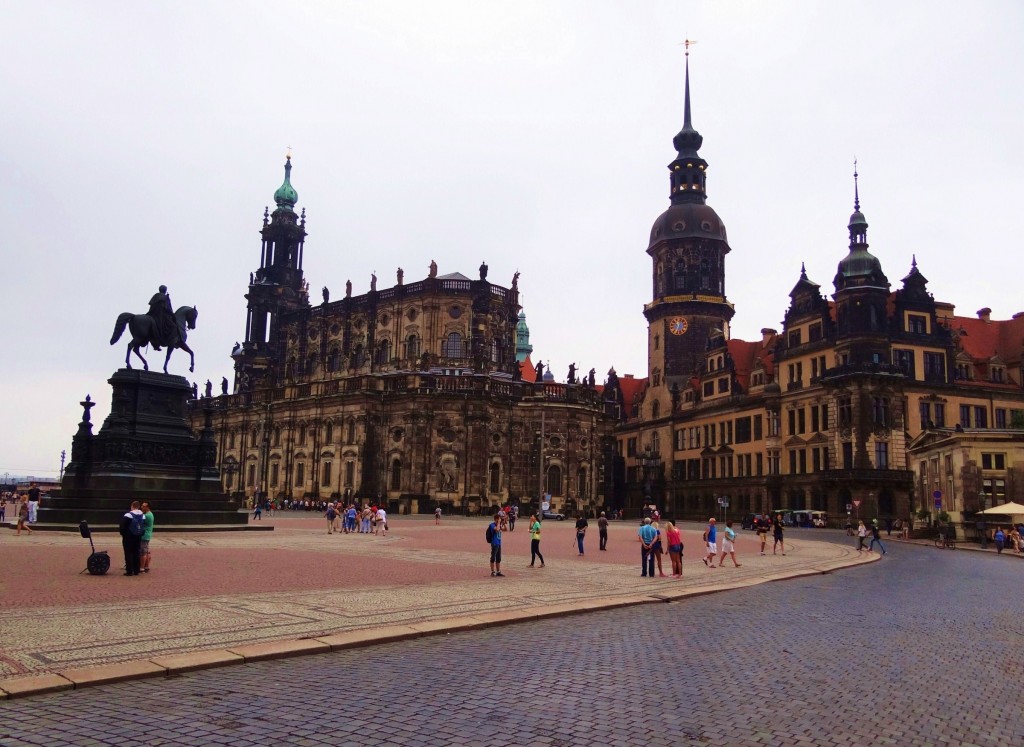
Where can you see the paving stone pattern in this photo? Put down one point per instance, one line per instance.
(922, 648)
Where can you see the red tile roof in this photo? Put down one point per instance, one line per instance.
(985, 339)
(527, 370)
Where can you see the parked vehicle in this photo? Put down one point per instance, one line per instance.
(552, 515)
(805, 518)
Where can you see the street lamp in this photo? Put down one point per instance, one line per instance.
(63, 456)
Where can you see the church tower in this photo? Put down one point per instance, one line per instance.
(277, 286)
(687, 247)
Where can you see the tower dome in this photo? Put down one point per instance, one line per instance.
(286, 196)
(859, 267)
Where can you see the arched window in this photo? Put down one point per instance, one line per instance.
(350, 436)
(494, 351)
(329, 434)
(555, 480)
(359, 357)
(705, 274)
(255, 440)
(495, 478)
(334, 361)
(412, 347)
(277, 435)
(582, 483)
(384, 352)
(396, 474)
(311, 364)
(656, 409)
(452, 346)
(289, 368)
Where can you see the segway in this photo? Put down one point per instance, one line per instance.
(99, 562)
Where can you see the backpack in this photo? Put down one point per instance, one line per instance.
(490, 534)
(137, 527)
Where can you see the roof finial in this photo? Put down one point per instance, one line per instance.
(913, 261)
(686, 112)
(803, 270)
(856, 193)
(288, 155)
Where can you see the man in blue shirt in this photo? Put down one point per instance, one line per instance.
(647, 535)
(494, 532)
(711, 538)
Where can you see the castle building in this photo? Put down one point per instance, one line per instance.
(821, 416)
(412, 395)
(425, 392)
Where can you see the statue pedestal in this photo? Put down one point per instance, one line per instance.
(145, 451)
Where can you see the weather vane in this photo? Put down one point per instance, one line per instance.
(289, 151)
(687, 44)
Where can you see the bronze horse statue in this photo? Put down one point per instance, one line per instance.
(143, 330)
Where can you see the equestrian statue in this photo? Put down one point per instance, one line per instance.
(159, 327)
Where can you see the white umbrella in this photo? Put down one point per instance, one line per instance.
(1007, 509)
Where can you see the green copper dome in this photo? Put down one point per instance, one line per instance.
(286, 196)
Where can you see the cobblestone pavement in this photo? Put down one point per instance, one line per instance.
(923, 648)
(219, 590)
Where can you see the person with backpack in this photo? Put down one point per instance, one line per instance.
(493, 536)
(132, 527)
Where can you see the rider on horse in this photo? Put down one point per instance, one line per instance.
(162, 313)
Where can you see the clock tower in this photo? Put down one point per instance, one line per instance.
(687, 249)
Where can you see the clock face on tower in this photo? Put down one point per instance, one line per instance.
(678, 325)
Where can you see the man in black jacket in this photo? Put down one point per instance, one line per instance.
(132, 528)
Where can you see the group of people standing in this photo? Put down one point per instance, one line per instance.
(136, 530)
(351, 519)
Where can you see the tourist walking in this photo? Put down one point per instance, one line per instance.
(257, 509)
(33, 503)
(777, 535)
(494, 540)
(876, 537)
(862, 536)
(382, 522)
(437, 515)
(602, 531)
(581, 532)
(675, 547)
(1000, 538)
(762, 532)
(535, 541)
(145, 555)
(710, 544)
(330, 514)
(3, 508)
(513, 514)
(132, 527)
(647, 534)
(728, 545)
(23, 517)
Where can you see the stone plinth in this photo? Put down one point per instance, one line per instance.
(144, 451)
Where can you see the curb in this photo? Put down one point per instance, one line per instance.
(179, 664)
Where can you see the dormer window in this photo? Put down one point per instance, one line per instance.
(917, 324)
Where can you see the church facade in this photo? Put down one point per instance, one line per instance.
(423, 393)
(411, 395)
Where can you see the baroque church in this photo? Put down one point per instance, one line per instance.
(424, 393)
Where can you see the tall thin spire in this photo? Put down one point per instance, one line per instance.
(686, 107)
(856, 193)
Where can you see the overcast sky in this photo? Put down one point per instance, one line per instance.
(140, 142)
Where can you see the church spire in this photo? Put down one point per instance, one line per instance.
(688, 170)
(286, 196)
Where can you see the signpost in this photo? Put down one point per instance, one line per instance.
(723, 501)
(856, 505)
(937, 495)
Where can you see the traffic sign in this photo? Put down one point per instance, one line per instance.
(849, 507)
(856, 503)
(938, 501)
(937, 494)
(545, 506)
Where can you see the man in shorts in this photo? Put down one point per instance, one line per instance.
(147, 534)
(711, 543)
(494, 531)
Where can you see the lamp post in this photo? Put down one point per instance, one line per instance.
(63, 456)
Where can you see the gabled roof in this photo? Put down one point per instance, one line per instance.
(631, 388)
(453, 276)
(745, 355)
(527, 371)
(983, 339)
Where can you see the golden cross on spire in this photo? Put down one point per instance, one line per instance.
(289, 152)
